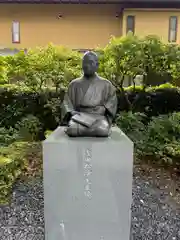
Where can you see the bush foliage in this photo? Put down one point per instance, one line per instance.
(43, 67)
(125, 56)
(157, 139)
(32, 87)
(15, 160)
(18, 103)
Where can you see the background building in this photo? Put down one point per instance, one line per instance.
(78, 25)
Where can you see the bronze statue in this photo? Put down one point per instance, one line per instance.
(90, 103)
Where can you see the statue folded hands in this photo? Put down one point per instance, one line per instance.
(90, 103)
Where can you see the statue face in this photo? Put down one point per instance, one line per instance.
(89, 64)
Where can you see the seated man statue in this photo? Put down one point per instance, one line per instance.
(90, 103)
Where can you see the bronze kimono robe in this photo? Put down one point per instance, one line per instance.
(95, 97)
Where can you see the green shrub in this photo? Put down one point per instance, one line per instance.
(157, 139)
(162, 138)
(44, 73)
(133, 125)
(131, 56)
(171, 153)
(54, 105)
(29, 128)
(122, 57)
(154, 101)
(47, 133)
(12, 162)
(41, 67)
(7, 136)
(125, 56)
(18, 160)
(3, 70)
(32, 105)
(17, 103)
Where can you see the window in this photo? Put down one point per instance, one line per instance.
(130, 24)
(15, 32)
(172, 29)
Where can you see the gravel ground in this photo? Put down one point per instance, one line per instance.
(155, 208)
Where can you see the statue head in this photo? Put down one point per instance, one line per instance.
(90, 63)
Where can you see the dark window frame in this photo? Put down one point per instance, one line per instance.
(171, 29)
(13, 32)
(130, 28)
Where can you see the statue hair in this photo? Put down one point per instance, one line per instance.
(91, 53)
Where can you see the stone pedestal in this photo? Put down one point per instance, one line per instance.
(87, 187)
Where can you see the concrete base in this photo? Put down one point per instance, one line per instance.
(87, 187)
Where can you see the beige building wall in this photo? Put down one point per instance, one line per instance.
(152, 22)
(80, 27)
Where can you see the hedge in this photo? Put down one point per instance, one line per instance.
(158, 140)
(14, 105)
(17, 103)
